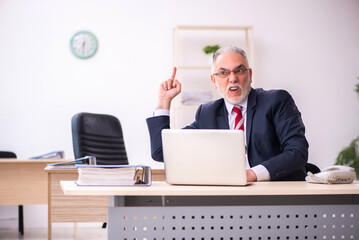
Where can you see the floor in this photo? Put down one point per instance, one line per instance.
(57, 234)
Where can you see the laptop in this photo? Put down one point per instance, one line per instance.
(204, 157)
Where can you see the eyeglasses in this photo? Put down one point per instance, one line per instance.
(238, 72)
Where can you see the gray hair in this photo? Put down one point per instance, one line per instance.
(231, 49)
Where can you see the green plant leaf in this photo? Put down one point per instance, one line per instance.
(210, 49)
(349, 156)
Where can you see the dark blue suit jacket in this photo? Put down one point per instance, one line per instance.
(274, 132)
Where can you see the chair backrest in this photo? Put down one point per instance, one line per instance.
(7, 154)
(98, 135)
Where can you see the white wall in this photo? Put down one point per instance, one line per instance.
(309, 48)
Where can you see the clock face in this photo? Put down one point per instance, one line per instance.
(83, 44)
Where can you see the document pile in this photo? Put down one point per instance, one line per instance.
(196, 98)
(50, 155)
(113, 175)
(88, 160)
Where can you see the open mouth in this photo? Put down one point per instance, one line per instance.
(233, 88)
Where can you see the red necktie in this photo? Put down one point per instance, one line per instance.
(239, 121)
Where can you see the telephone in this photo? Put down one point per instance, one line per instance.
(332, 175)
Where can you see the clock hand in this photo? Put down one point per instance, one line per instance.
(83, 47)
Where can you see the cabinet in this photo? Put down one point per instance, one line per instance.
(194, 66)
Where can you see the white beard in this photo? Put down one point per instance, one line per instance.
(237, 100)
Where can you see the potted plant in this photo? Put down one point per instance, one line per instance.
(209, 50)
(350, 155)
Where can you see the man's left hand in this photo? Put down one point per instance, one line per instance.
(251, 176)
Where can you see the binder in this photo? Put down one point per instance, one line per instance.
(114, 175)
(88, 160)
(50, 155)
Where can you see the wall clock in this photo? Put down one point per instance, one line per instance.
(83, 44)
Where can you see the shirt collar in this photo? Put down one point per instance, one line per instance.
(229, 106)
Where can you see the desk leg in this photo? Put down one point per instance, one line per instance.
(21, 219)
(49, 225)
(75, 230)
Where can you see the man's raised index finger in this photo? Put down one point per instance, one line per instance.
(174, 73)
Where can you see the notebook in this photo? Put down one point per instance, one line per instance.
(204, 157)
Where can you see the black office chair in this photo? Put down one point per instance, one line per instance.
(310, 167)
(98, 135)
(5, 154)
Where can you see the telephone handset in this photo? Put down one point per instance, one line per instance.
(332, 175)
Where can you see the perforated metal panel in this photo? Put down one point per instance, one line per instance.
(234, 222)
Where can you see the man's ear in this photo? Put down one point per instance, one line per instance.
(214, 81)
(250, 74)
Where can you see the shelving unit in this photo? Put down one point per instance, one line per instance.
(194, 67)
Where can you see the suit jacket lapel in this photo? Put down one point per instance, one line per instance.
(251, 107)
(222, 117)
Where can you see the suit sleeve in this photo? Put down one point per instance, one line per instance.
(155, 126)
(290, 131)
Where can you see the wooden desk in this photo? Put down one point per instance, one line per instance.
(23, 181)
(262, 210)
(66, 208)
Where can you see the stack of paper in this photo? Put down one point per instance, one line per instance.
(88, 160)
(113, 175)
(50, 155)
(196, 98)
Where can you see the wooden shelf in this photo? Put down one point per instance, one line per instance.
(194, 67)
(226, 28)
(181, 106)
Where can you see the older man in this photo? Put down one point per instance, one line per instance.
(275, 134)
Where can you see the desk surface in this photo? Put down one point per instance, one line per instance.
(258, 188)
(23, 181)
(30, 161)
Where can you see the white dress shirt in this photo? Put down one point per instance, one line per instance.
(261, 172)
